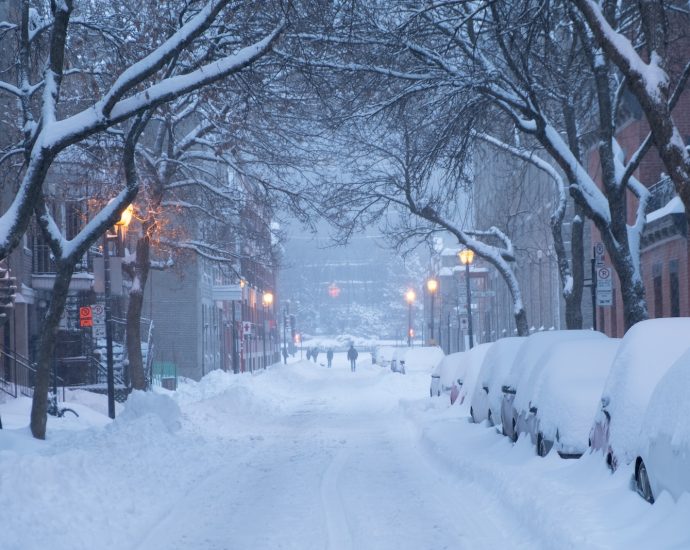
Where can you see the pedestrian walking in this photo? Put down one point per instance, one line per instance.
(285, 355)
(352, 356)
(329, 356)
(308, 354)
(315, 354)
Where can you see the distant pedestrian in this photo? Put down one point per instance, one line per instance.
(315, 354)
(352, 356)
(329, 356)
(308, 354)
(285, 354)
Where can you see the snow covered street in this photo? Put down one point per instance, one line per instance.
(302, 456)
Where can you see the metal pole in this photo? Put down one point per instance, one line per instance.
(450, 342)
(594, 294)
(108, 329)
(469, 305)
(264, 337)
(409, 325)
(235, 365)
(285, 318)
(432, 316)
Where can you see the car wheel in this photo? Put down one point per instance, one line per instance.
(490, 417)
(515, 434)
(472, 415)
(542, 448)
(644, 488)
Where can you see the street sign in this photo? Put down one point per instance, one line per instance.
(85, 317)
(604, 297)
(604, 279)
(98, 329)
(246, 328)
(463, 323)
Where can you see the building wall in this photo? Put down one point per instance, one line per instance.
(172, 301)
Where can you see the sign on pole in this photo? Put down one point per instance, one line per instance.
(85, 317)
(246, 328)
(98, 330)
(604, 297)
(604, 279)
(604, 286)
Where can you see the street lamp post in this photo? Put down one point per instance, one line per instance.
(432, 286)
(125, 218)
(267, 301)
(410, 298)
(466, 256)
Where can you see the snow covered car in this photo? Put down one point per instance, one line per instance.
(468, 381)
(486, 397)
(384, 355)
(531, 355)
(448, 373)
(420, 358)
(566, 395)
(663, 462)
(646, 353)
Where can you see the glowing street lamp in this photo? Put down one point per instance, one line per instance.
(410, 296)
(121, 224)
(267, 301)
(466, 256)
(432, 287)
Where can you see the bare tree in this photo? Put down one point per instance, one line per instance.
(652, 72)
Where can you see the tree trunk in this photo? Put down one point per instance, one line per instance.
(573, 302)
(46, 351)
(136, 301)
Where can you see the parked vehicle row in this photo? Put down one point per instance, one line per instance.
(570, 391)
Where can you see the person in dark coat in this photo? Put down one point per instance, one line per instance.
(308, 354)
(315, 354)
(329, 356)
(352, 356)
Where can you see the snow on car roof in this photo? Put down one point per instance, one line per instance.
(648, 350)
(669, 407)
(568, 392)
(535, 346)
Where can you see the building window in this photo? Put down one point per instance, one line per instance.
(674, 288)
(658, 291)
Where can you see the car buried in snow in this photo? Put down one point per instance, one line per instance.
(565, 395)
(516, 388)
(448, 373)
(468, 381)
(646, 353)
(663, 460)
(486, 397)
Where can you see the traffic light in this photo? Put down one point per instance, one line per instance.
(8, 286)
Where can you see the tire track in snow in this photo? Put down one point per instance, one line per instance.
(338, 530)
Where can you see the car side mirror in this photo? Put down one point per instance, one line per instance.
(533, 410)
